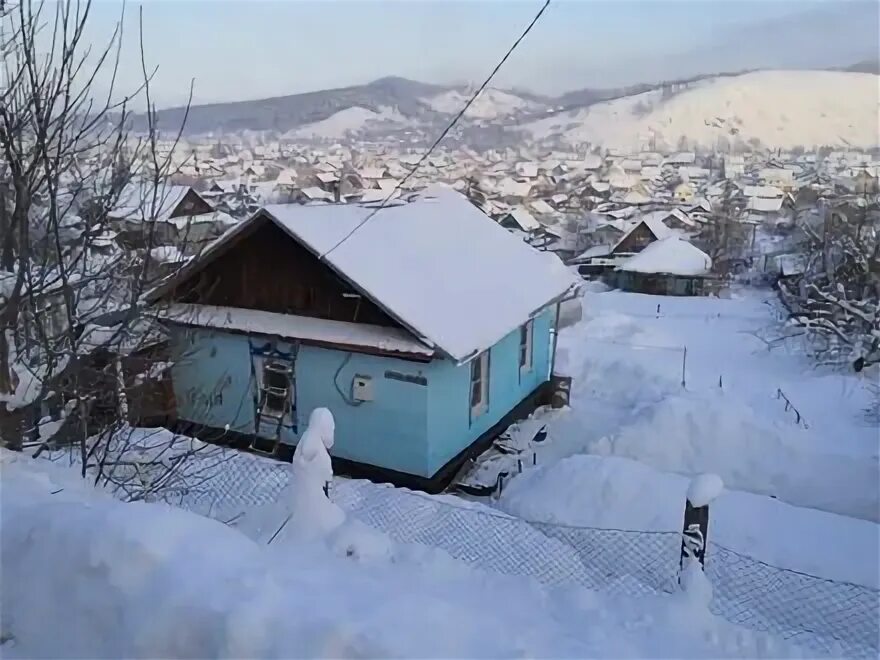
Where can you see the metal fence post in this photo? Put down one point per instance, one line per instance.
(695, 531)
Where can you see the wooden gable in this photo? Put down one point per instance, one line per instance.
(191, 204)
(636, 240)
(268, 270)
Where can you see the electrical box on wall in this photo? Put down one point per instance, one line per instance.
(362, 388)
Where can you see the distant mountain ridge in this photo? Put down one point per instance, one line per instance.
(411, 102)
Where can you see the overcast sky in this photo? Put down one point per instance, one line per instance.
(245, 49)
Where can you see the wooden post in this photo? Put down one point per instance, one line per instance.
(684, 359)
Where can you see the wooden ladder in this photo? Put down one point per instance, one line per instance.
(258, 443)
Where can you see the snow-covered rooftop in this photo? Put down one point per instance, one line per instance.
(524, 219)
(670, 255)
(438, 264)
(764, 204)
(140, 200)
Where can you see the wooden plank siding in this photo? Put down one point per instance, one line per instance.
(268, 270)
(637, 240)
(191, 204)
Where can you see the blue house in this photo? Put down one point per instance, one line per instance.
(426, 330)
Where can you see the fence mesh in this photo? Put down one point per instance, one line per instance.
(822, 615)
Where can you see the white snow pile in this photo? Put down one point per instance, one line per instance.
(619, 493)
(349, 120)
(781, 109)
(672, 256)
(147, 580)
(704, 489)
(490, 104)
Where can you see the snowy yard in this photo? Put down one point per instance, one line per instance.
(628, 400)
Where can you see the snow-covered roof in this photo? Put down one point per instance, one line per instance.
(592, 162)
(591, 253)
(777, 174)
(528, 170)
(313, 193)
(524, 219)
(636, 197)
(304, 328)
(682, 158)
(677, 214)
(137, 201)
(541, 207)
(438, 264)
(670, 255)
(372, 172)
(769, 192)
(764, 204)
(327, 177)
(510, 188)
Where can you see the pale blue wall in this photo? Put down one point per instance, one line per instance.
(408, 427)
(208, 363)
(389, 431)
(450, 427)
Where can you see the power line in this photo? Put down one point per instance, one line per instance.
(444, 133)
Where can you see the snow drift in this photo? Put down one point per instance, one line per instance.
(146, 580)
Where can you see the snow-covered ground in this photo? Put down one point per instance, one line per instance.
(347, 121)
(627, 364)
(782, 109)
(490, 104)
(149, 580)
(612, 492)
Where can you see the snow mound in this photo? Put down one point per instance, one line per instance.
(670, 255)
(704, 489)
(490, 104)
(350, 120)
(781, 109)
(619, 493)
(711, 432)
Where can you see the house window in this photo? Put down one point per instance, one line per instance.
(278, 388)
(526, 333)
(480, 384)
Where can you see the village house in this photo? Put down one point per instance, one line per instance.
(667, 267)
(404, 327)
(631, 238)
(148, 216)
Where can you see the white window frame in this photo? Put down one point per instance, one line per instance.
(526, 353)
(482, 404)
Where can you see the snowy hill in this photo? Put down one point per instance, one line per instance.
(781, 109)
(491, 104)
(350, 120)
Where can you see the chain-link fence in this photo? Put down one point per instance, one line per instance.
(832, 617)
